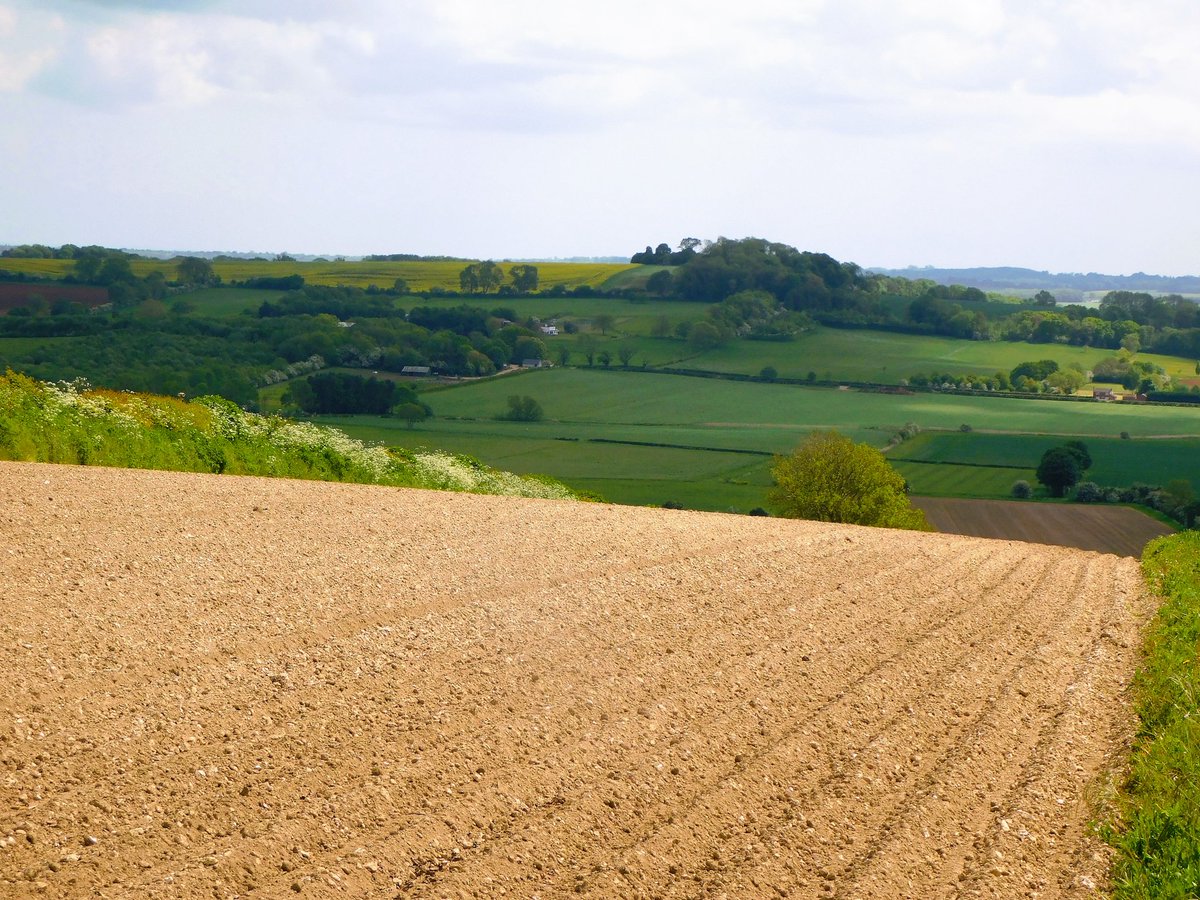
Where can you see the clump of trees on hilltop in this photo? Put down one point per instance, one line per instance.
(841, 294)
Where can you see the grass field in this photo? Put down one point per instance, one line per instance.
(886, 358)
(1114, 461)
(927, 480)
(705, 419)
(221, 303)
(420, 275)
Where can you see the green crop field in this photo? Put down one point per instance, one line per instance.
(705, 419)
(1115, 462)
(220, 303)
(419, 274)
(960, 481)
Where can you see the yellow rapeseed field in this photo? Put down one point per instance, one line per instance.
(420, 275)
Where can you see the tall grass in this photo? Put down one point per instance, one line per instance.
(70, 423)
(1159, 837)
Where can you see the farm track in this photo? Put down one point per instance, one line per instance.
(245, 687)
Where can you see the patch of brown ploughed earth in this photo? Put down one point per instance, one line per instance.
(1105, 529)
(241, 687)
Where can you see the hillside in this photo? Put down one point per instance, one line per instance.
(241, 686)
(1000, 278)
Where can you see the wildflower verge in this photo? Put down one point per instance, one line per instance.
(71, 423)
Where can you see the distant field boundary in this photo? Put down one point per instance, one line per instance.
(677, 446)
(947, 462)
(882, 387)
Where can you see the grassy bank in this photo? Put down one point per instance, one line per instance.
(41, 422)
(1159, 839)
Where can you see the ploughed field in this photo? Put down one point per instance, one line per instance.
(1107, 529)
(220, 686)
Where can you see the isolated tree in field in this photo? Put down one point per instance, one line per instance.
(625, 354)
(195, 270)
(522, 409)
(484, 277)
(412, 413)
(830, 478)
(1058, 470)
(564, 354)
(605, 358)
(588, 347)
(603, 322)
(524, 278)
(400, 286)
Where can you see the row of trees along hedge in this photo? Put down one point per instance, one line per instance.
(339, 392)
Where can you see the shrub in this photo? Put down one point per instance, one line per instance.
(759, 511)
(965, 428)
(1089, 492)
(1021, 489)
(522, 409)
(768, 373)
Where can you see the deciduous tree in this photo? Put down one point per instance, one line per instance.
(830, 478)
(1058, 470)
(524, 278)
(195, 270)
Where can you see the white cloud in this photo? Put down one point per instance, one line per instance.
(796, 111)
(26, 47)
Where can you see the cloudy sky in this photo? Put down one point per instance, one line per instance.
(1056, 134)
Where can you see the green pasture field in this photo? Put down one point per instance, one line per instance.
(718, 406)
(221, 303)
(1115, 462)
(887, 357)
(619, 472)
(720, 416)
(420, 275)
(960, 481)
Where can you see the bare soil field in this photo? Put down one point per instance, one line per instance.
(240, 687)
(18, 294)
(1106, 529)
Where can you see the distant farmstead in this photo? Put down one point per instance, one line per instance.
(534, 364)
(415, 370)
(1103, 394)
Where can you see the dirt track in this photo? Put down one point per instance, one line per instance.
(238, 687)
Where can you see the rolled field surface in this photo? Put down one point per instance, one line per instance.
(220, 686)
